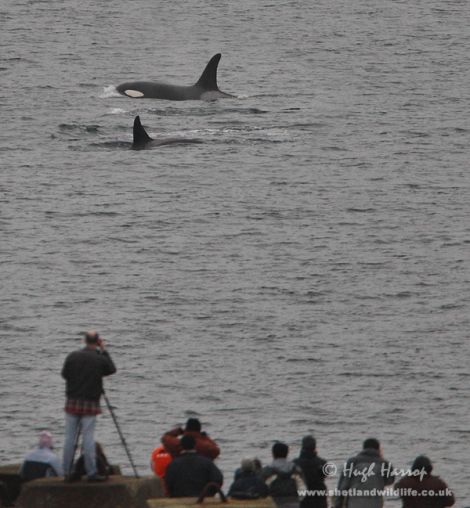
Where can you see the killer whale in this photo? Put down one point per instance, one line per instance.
(142, 140)
(204, 89)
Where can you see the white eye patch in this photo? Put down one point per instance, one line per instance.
(133, 93)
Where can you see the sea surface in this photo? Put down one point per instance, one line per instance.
(303, 270)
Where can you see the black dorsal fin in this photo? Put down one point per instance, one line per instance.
(208, 79)
(140, 136)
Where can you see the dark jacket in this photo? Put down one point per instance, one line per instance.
(377, 473)
(314, 476)
(83, 371)
(248, 485)
(443, 496)
(189, 473)
(204, 444)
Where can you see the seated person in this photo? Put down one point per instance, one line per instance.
(41, 461)
(159, 461)
(103, 467)
(257, 466)
(421, 480)
(248, 483)
(204, 444)
(284, 478)
(189, 473)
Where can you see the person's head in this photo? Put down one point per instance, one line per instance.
(280, 450)
(371, 444)
(193, 425)
(247, 466)
(92, 338)
(45, 440)
(188, 443)
(422, 463)
(309, 443)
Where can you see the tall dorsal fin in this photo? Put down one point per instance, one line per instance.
(208, 79)
(140, 136)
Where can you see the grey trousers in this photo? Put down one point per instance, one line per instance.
(86, 425)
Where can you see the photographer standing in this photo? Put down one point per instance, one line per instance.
(83, 372)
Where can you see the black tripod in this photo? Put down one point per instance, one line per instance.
(123, 441)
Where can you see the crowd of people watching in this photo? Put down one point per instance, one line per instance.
(185, 459)
(185, 463)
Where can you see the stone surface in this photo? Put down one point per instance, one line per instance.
(10, 477)
(116, 492)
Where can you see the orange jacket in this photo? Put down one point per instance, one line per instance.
(204, 444)
(159, 461)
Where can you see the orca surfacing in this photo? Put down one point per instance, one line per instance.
(205, 89)
(142, 140)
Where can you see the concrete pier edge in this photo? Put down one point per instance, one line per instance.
(116, 492)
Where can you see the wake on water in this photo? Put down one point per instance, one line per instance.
(116, 111)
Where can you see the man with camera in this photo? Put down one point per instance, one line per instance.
(83, 372)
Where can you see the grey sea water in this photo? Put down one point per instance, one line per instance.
(305, 269)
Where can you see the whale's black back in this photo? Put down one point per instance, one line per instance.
(204, 89)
